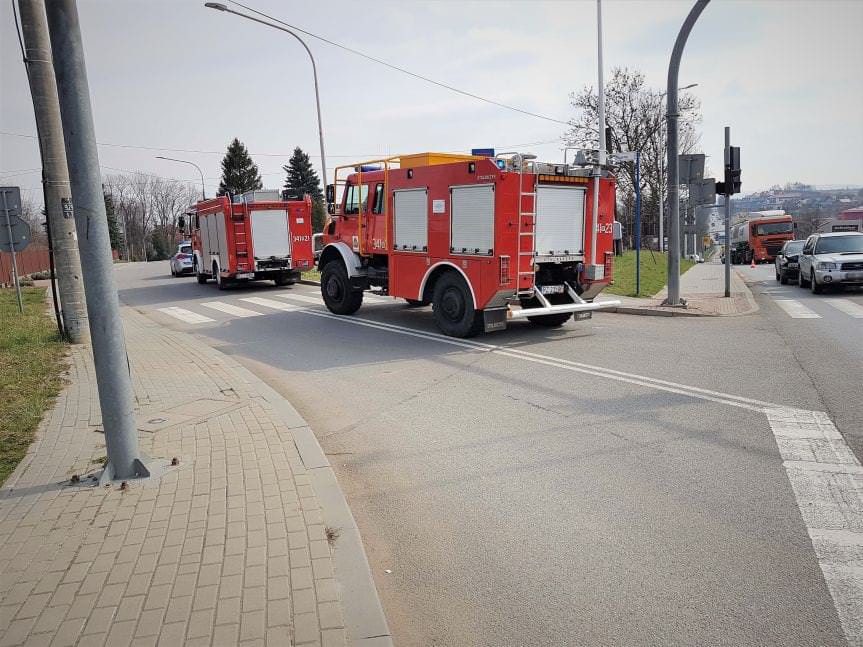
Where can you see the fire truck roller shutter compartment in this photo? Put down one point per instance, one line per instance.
(559, 220)
(411, 220)
(472, 219)
(270, 234)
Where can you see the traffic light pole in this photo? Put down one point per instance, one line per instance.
(728, 190)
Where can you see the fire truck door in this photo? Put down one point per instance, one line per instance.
(270, 235)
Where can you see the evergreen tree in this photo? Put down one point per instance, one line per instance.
(303, 179)
(114, 231)
(239, 172)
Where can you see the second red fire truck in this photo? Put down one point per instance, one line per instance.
(482, 238)
(256, 235)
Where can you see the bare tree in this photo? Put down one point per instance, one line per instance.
(32, 214)
(635, 114)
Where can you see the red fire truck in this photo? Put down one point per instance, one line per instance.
(484, 239)
(256, 235)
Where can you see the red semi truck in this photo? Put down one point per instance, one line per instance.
(760, 237)
(483, 239)
(256, 235)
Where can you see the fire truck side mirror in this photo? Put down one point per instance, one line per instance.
(331, 193)
(331, 208)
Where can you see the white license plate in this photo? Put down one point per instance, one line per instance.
(558, 259)
(551, 289)
(581, 316)
(245, 275)
(792, 266)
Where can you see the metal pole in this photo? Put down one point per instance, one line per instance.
(221, 7)
(12, 250)
(727, 217)
(673, 298)
(55, 177)
(597, 169)
(109, 346)
(203, 191)
(637, 223)
(661, 195)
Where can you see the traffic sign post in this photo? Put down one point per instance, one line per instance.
(16, 234)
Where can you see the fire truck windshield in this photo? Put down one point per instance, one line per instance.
(352, 201)
(773, 228)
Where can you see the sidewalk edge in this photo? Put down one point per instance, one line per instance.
(365, 622)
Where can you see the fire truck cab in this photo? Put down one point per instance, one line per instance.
(483, 239)
(253, 236)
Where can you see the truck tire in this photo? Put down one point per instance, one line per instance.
(452, 305)
(201, 278)
(339, 295)
(551, 321)
(222, 282)
(284, 279)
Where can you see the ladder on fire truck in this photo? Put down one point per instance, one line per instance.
(241, 244)
(526, 232)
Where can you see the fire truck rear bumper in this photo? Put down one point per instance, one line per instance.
(578, 305)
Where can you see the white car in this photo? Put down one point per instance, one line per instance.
(181, 261)
(831, 259)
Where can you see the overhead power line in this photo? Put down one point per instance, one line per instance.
(401, 69)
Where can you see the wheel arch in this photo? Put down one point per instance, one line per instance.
(433, 273)
(335, 251)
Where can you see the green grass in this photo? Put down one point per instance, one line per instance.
(654, 270)
(312, 275)
(31, 359)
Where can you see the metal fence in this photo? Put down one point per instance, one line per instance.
(30, 260)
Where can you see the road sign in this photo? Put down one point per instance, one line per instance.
(20, 232)
(702, 192)
(691, 168)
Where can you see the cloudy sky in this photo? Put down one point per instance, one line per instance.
(786, 75)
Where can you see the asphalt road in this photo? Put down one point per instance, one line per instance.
(514, 495)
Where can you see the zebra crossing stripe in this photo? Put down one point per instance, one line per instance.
(847, 306)
(184, 315)
(301, 297)
(270, 303)
(796, 310)
(231, 309)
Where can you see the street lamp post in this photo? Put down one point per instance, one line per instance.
(171, 159)
(662, 175)
(221, 7)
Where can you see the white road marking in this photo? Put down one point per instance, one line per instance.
(796, 310)
(827, 480)
(318, 301)
(184, 315)
(231, 309)
(275, 305)
(847, 306)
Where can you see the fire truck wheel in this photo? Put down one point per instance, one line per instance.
(550, 321)
(336, 290)
(202, 278)
(221, 281)
(284, 279)
(453, 308)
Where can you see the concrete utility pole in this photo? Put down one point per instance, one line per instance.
(58, 198)
(673, 298)
(109, 345)
(597, 169)
(727, 216)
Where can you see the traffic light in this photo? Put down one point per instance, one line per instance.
(732, 172)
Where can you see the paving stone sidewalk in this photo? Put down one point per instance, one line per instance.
(228, 548)
(703, 288)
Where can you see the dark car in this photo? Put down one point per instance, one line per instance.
(788, 261)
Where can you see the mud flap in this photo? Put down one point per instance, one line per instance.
(494, 319)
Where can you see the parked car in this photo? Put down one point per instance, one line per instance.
(831, 259)
(787, 261)
(695, 257)
(181, 261)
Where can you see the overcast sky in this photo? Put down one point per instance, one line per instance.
(786, 75)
